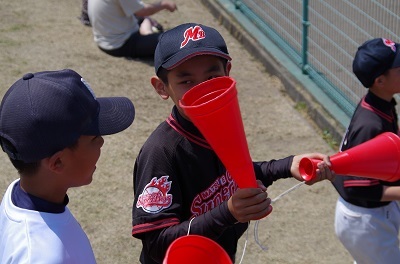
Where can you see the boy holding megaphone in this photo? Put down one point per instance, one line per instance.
(367, 216)
(180, 182)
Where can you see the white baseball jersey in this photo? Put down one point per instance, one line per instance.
(28, 236)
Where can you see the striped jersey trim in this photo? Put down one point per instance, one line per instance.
(377, 111)
(193, 138)
(147, 227)
(361, 183)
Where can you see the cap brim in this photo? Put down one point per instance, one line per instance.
(115, 115)
(186, 54)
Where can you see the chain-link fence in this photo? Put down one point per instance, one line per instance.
(322, 36)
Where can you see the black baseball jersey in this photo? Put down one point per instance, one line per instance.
(178, 177)
(372, 117)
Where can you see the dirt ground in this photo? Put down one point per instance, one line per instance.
(46, 35)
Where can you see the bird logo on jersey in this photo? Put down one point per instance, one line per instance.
(194, 34)
(155, 195)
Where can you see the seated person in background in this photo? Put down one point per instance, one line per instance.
(124, 29)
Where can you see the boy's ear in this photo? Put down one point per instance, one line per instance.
(54, 163)
(228, 68)
(159, 86)
(379, 81)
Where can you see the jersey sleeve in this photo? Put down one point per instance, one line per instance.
(130, 7)
(157, 194)
(270, 171)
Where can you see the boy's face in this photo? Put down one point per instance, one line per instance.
(393, 80)
(387, 84)
(188, 74)
(81, 160)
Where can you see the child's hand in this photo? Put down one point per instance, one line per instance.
(323, 172)
(250, 204)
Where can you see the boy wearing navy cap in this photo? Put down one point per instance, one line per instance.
(51, 127)
(179, 182)
(367, 216)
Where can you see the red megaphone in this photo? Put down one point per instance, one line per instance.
(377, 158)
(196, 249)
(213, 107)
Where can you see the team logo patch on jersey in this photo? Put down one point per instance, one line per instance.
(194, 34)
(155, 197)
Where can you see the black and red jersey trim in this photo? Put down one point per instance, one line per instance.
(193, 138)
(367, 106)
(356, 183)
(137, 229)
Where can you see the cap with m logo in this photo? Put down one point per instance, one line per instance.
(186, 41)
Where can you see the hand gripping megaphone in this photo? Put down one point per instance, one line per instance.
(377, 158)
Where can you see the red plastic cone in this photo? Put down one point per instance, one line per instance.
(213, 107)
(195, 249)
(377, 158)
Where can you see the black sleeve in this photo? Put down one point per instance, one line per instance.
(210, 224)
(270, 171)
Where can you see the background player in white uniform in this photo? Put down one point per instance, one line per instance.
(51, 127)
(367, 216)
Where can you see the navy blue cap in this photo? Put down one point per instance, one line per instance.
(375, 57)
(45, 112)
(186, 41)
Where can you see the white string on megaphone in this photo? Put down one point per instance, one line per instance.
(264, 248)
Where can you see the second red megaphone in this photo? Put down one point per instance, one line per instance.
(377, 158)
(213, 107)
(196, 249)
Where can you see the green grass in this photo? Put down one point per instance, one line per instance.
(327, 136)
(301, 106)
(18, 27)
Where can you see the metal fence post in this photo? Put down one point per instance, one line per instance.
(238, 3)
(306, 24)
